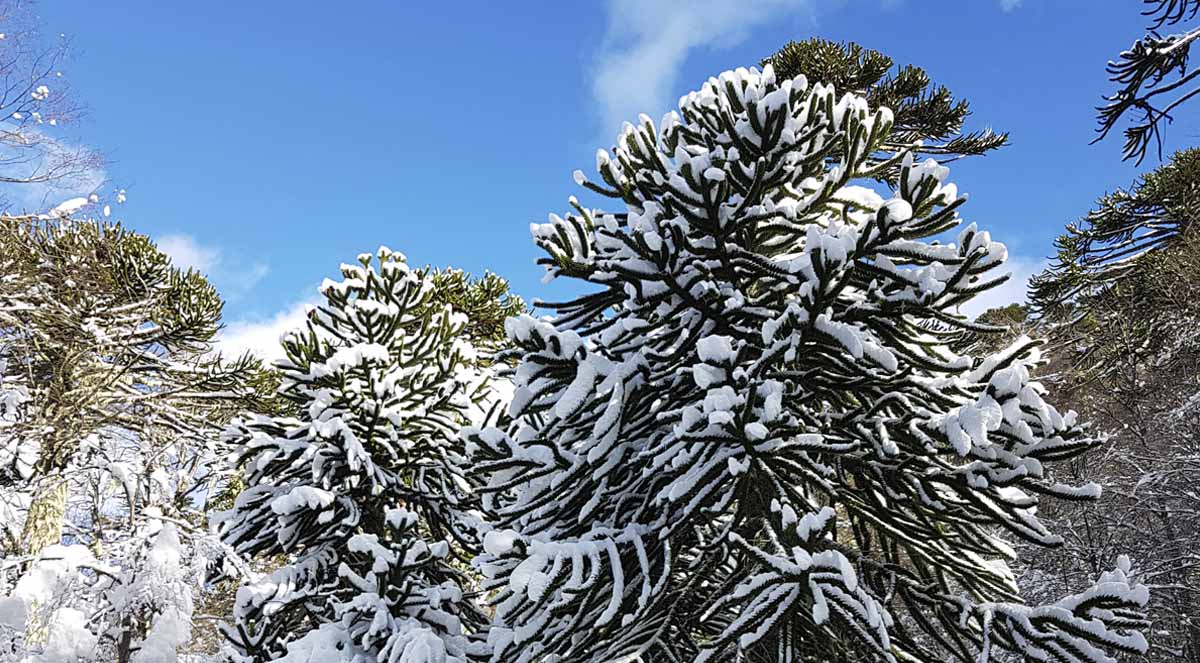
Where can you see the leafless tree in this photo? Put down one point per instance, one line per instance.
(36, 105)
(1133, 368)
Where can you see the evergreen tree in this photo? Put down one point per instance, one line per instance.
(103, 337)
(926, 119)
(1119, 308)
(1153, 78)
(1112, 242)
(362, 493)
(112, 394)
(753, 440)
(486, 302)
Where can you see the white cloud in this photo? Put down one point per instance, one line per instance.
(647, 42)
(1009, 5)
(260, 337)
(187, 253)
(250, 276)
(1014, 290)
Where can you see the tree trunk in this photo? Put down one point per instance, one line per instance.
(43, 528)
(43, 525)
(125, 642)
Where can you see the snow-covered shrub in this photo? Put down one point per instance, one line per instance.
(70, 607)
(753, 439)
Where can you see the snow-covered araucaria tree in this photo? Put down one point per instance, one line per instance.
(111, 400)
(754, 441)
(363, 493)
(102, 339)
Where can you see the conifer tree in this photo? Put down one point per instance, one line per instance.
(1111, 265)
(1112, 241)
(926, 118)
(362, 493)
(1154, 77)
(112, 393)
(753, 440)
(99, 332)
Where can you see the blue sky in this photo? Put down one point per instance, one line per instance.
(267, 142)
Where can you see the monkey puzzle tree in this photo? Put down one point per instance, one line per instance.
(112, 395)
(754, 439)
(1111, 242)
(100, 333)
(926, 119)
(362, 492)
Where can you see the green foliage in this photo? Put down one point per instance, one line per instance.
(361, 490)
(923, 111)
(1009, 316)
(1113, 242)
(486, 301)
(82, 266)
(1153, 78)
(102, 331)
(748, 439)
(1119, 309)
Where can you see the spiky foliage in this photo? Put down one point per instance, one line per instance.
(101, 333)
(485, 301)
(921, 110)
(362, 492)
(752, 441)
(1110, 254)
(1153, 78)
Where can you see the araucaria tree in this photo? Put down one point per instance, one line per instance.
(926, 118)
(110, 346)
(112, 396)
(1154, 77)
(362, 494)
(753, 440)
(1118, 240)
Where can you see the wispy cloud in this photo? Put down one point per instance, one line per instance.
(233, 280)
(186, 253)
(260, 337)
(1013, 291)
(648, 41)
(1009, 5)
